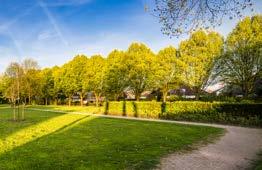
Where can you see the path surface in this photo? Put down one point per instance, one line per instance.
(234, 151)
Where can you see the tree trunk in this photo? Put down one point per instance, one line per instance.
(46, 101)
(14, 113)
(29, 99)
(81, 99)
(197, 95)
(69, 101)
(56, 101)
(164, 95)
(138, 96)
(23, 111)
(97, 99)
(116, 97)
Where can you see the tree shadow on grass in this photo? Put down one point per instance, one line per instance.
(104, 143)
(8, 127)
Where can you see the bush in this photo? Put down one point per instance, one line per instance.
(135, 109)
(124, 108)
(246, 114)
(106, 107)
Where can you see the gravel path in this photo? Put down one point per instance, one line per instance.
(233, 151)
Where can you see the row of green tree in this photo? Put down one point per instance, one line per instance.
(200, 60)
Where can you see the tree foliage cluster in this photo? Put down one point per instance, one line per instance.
(205, 56)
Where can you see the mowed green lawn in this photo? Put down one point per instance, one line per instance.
(47, 140)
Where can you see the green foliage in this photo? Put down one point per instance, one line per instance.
(94, 76)
(245, 114)
(139, 62)
(168, 72)
(47, 84)
(199, 54)
(195, 64)
(241, 64)
(116, 79)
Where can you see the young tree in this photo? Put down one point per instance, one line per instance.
(95, 76)
(140, 66)
(12, 84)
(199, 54)
(116, 74)
(241, 64)
(168, 70)
(31, 79)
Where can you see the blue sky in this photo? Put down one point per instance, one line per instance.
(53, 31)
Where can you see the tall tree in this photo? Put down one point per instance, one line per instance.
(47, 84)
(200, 53)
(72, 77)
(116, 74)
(95, 76)
(168, 70)
(77, 68)
(241, 64)
(139, 62)
(57, 74)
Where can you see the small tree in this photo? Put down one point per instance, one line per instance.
(12, 87)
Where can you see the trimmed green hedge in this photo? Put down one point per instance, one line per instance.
(212, 112)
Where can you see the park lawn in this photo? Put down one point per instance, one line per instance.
(74, 141)
(7, 126)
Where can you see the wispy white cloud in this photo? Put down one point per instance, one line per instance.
(46, 34)
(58, 3)
(16, 43)
(53, 22)
(12, 21)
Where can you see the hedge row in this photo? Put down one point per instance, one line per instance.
(212, 112)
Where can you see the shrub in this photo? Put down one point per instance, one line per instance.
(124, 108)
(246, 114)
(135, 109)
(106, 107)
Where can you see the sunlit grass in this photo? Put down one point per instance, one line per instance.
(30, 133)
(89, 109)
(7, 126)
(72, 141)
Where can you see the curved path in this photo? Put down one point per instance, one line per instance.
(233, 151)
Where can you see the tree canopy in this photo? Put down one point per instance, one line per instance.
(241, 64)
(184, 16)
(197, 61)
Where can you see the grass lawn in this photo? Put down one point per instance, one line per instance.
(47, 140)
